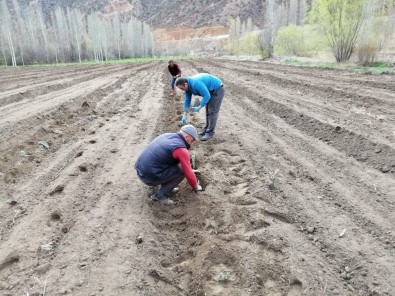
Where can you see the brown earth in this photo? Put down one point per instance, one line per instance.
(205, 40)
(299, 184)
(185, 33)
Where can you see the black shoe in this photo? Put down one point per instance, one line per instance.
(202, 133)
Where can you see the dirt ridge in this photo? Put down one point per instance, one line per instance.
(284, 210)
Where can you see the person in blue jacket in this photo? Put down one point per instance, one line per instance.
(212, 91)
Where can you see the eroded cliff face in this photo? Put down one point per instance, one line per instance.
(187, 40)
(183, 28)
(184, 32)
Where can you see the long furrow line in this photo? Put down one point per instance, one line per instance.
(88, 187)
(62, 125)
(328, 196)
(26, 77)
(76, 125)
(343, 91)
(321, 106)
(34, 89)
(374, 149)
(322, 76)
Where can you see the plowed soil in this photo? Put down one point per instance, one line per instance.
(299, 183)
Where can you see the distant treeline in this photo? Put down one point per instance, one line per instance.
(67, 35)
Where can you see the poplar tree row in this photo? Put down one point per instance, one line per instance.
(67, 35)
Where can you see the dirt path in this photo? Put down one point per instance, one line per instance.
(299, 184)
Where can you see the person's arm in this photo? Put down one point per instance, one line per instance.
(187, 105)
(187, 101)
(182, 155)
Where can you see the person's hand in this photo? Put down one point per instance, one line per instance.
(195, 109)
(198, 188)
(184, 119)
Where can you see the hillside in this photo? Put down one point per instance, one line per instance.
(160, 14)
(183, 28)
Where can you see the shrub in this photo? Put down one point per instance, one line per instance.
(367, 53)
(290, 41)
(264, 43)
(304, 40)
(248, 43)
(376, 35)
(341, 22)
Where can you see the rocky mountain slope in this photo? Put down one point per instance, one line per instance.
(165, 14)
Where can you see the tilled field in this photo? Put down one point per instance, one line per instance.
(299, 183)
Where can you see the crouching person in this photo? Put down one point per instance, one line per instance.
(166, 162)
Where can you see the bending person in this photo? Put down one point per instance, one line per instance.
(166, 162)
(175, 72)
(212, 91)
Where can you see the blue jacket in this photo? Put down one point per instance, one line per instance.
(156, 159)
(200, 85)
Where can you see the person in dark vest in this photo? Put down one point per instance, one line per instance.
(212, 91)
(175, 72)
(166, 162)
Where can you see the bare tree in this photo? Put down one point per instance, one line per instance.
(265, 40)
(6, 29)
(3, 50)
(117, 34)
(249, 25)
(94, 34)
(29, 16)
(62, 28)
(75, 20)
(234, 36)
(54, 38)
(20, 30)
(297, 12)
(67, 35)
(376, 31)
(43, 32)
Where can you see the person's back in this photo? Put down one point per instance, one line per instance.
(166, 162)
(155, 159)
(174, 69)
(175, 72)
(211, 89)
(210, 81)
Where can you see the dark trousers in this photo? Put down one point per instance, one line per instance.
(212, 110)
(175, 176)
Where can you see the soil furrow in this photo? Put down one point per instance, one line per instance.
(377, 155)
(298, 184)
(325, 76)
